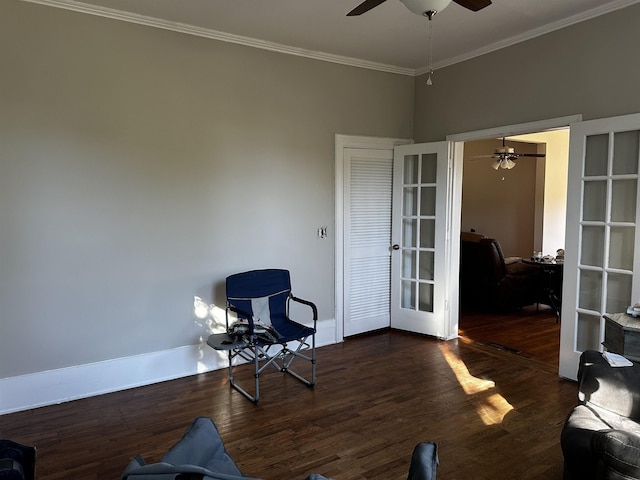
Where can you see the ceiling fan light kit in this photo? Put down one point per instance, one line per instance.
(421, 7)
(504, 163)
(426, 7)
(504, 157)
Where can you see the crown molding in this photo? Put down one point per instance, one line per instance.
(114, 14)
(537, 32)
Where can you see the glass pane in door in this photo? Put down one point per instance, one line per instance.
(623, 200)
(427, 233)
(410, 201)
(408, 295)
(409, 263)
(428, 201)
(409, 232)
(620, 244)
(590, 290)
(426, 297)
(588, 337)
(595, 201)
(596, 155)
(426, 266)
(429, 168)
(411, 169)
(592, 253)
(618, 292)
(625, 152)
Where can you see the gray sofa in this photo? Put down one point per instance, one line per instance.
(201, 455)
(601, 436)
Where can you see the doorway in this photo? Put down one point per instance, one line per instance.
(524, 209)
(380, 282)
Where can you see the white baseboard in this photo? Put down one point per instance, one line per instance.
(51, 387)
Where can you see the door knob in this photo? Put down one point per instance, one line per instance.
(396, 246)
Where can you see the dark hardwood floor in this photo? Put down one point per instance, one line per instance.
(532, 332)
(494, 414)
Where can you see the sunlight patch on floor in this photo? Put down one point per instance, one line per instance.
(490, 405)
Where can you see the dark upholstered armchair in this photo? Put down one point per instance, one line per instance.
(601, 436)
(489, 281)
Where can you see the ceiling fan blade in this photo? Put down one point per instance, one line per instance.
(531, 155)
(365, 7)
(474, 5)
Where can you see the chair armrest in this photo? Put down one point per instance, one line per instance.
(309, 304)
(618, 452)
(511, 260)
(616, 389)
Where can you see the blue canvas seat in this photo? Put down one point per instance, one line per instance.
(259, 329)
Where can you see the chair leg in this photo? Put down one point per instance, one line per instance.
(288, 356)
(231, 379)
(256, 374)
(281, 361)
(238, 388)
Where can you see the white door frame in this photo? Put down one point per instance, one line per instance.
(516, 129)
(342, 142)
(453, 256)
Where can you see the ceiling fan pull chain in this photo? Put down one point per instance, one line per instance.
(430, 15)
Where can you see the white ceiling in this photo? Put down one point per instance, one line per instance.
(389, 37)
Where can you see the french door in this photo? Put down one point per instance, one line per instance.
(602, 232)
(419, 235)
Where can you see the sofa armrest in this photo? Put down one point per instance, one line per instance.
(616, 389)
(199, 454)
(511, 260)
(618, 452)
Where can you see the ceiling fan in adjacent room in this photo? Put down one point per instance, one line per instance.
(428, 8)
(505, 157)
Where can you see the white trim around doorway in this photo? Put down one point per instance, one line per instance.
(516, 129)
(457, 146)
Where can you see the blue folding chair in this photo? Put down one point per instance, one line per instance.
(263, 330)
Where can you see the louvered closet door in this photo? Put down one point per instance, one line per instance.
(368, 176)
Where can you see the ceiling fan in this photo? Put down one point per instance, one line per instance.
(428, 8)
(505, 156)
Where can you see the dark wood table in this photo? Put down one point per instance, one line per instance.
(552, 287)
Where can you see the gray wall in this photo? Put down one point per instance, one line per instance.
(139, 167)
(590, 68)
